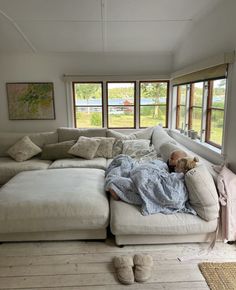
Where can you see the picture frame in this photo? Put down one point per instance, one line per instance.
(31, 101)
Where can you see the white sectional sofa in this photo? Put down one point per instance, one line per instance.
(65, 198)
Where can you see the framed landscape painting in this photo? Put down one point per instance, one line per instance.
(30, 101)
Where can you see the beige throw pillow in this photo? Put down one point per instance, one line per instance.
(85, 147)
(130, 147)
(203, 196)
(105, 148)
(23, 149)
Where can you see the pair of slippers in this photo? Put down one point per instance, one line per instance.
(142, 268)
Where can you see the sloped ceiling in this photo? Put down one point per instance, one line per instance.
(97, 25)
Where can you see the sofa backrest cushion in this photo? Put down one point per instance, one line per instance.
(40, 139)
(166, 149)
(67, 134)
(140, 134)
(202, 191)
(159, 137)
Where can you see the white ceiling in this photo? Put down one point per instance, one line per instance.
(97, 25)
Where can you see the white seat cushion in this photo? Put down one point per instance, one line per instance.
(54, 200)
(126, 219)
(98, 163)
(10, 167)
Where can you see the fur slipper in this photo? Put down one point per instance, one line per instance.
(143, 267)
(124, 270)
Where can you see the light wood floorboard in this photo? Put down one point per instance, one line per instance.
(80, 265)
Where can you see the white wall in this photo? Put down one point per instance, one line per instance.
(51, 67)
(214, 34)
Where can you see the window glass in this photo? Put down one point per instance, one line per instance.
(197, 94)
(218, 93)
(152, 115)
(88, 105)
(121, 104)
(216, 128)
(196, 120)
(182, 94)
(153, 103)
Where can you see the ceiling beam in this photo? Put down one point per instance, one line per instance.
(18, 29)
(104, 24)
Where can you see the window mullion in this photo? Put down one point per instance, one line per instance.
(187, 102)
(204, 112)
(137, 104)
(105, 104)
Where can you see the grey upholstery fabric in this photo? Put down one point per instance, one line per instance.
(57, 150)
(126, 219)
(140, 134)
(40, 139)
(159, 137)
(66, 134)
(54, 200)
(10, 167)
(98, 162)
(203, 196)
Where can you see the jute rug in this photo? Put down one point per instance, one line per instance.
(219, 276)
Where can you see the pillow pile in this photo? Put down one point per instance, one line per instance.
(23, 149)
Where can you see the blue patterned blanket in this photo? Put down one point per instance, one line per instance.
(148, 185)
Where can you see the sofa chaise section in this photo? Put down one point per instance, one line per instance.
(54, 204)
(130, 227)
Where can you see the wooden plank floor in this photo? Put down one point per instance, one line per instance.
(80, 265)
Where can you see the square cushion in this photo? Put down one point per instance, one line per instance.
(85, 147)
(57, 150)
(105, 148)
(23, 149)
(54, 200)
(130, 147)
(9, 167)
(203, 196)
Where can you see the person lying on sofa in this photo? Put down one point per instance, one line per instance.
(150, 185)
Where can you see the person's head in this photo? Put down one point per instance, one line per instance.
(185, 164)
(175, 155)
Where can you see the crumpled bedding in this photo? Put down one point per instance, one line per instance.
(148, 185)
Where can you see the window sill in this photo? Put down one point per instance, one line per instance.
(204, 149)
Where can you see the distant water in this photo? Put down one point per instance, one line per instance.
(113, 102)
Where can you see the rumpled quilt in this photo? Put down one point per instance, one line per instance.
(148, 185)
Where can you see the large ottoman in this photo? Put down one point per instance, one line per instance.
(54, 204)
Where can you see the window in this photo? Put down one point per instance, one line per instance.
(153, 103)
(204, 106)
(215, 112)
(121, 96)
(88, 105)
(181, 107)
(195, 109)
(120, 104)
